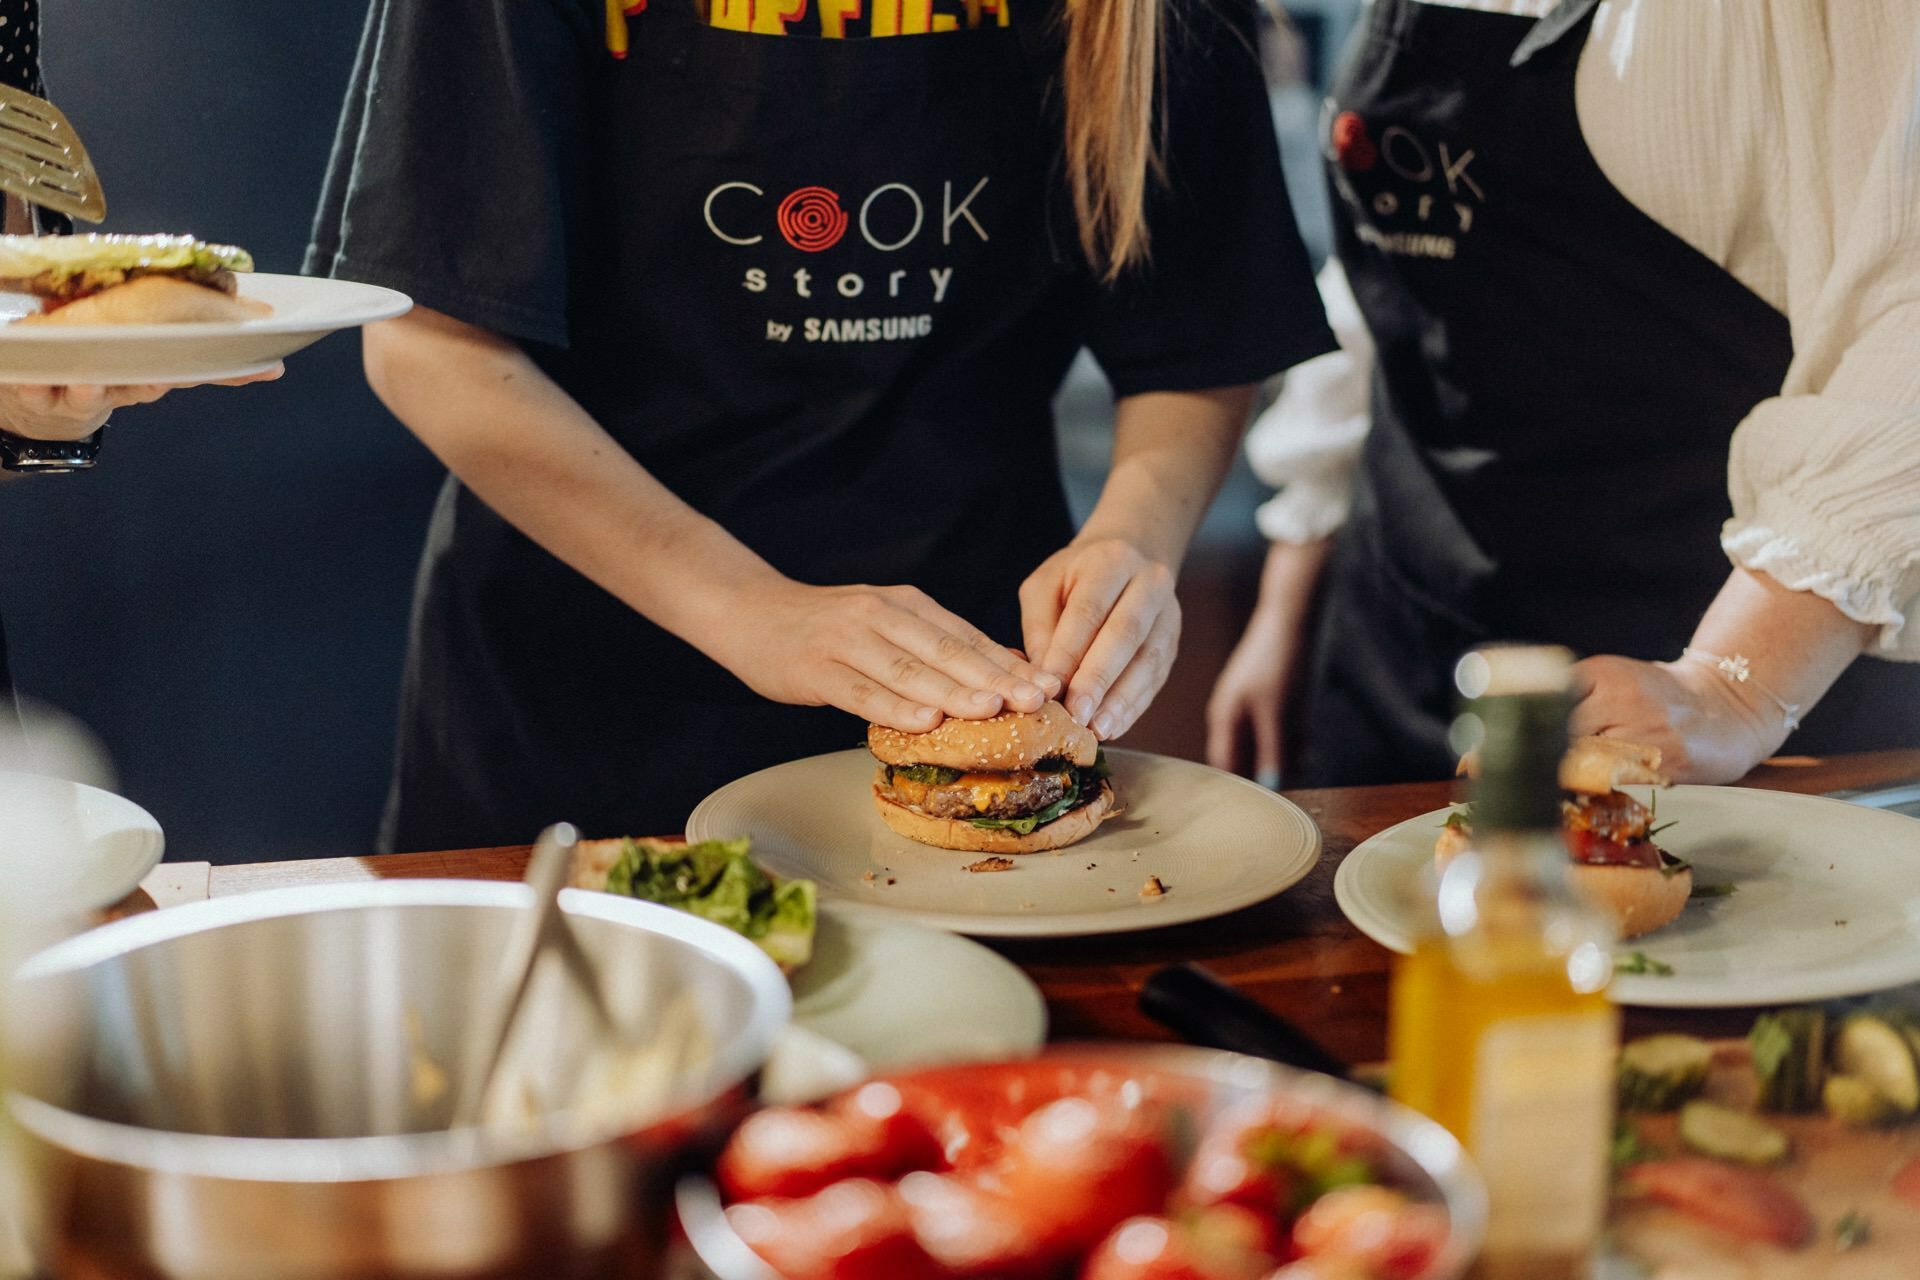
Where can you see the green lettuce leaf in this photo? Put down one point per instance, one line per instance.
(717, 880)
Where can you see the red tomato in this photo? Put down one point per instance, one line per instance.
(1387, 1235)
(1077, 1169)
(1737, 1201)
(1222, 1173)
(972, 1231)
(1158, 1249)
(792, 1151)
(1906, 1183)
(854, 1230)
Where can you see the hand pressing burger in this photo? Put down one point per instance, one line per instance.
(1018, 783)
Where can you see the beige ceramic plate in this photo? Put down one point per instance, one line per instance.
(867, 986)
(304, 311)
(1216, 841)
(1826, 899)
(67, 848)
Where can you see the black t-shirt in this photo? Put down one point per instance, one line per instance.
(465, 146)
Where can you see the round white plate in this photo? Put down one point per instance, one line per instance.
(68, 848)
(304, 311)
(1216, 842)
(867, 988)
(1827, 899)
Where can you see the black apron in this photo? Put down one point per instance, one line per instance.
(1557, 385)
(814, 293)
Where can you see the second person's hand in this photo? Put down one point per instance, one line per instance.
(1102, 615)
(76, 412)
(890, 655)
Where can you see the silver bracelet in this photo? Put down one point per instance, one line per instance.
(1740, 671)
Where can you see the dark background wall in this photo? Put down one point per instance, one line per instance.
(224, 599)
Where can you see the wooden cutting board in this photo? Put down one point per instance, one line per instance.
(1835, 1169)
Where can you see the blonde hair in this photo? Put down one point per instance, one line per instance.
(1110, 78)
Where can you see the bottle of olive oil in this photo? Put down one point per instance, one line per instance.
(1500, 1027)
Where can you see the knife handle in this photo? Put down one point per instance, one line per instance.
(1206, 1011)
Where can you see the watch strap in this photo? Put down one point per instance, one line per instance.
(21, 453)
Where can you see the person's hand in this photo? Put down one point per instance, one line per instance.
(890, 655)
(1708, 728)
(1249, 699)
(1102, 617)
(76, 412)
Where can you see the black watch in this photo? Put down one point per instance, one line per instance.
(18, 453)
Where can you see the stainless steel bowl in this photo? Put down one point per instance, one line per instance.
(258, 1086)
(1423, 1158)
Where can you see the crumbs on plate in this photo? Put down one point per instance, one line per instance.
(1153, 888)
(995, 863)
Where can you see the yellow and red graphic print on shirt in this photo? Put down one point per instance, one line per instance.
(828, 19)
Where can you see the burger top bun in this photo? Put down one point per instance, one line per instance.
(1594, 766)
(1597, 766)
(958, 833)
(153, 300)
(1009, 741)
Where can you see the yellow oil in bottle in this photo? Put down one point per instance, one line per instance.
(1499, 1025)
(1443, 1004)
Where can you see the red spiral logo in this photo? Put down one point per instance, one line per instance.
(811, 219)
(1351, 146)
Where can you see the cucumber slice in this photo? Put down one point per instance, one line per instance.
(1873, 1049)
(1789, 1058)
(1852, 1101)
(1726, 1134)
(1658, 1073)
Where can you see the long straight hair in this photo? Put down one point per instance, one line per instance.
(1111, 74)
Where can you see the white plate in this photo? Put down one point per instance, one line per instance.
(1827, 901)
(1216, 841)
(67, 848)
(867, 988)
(304, 311)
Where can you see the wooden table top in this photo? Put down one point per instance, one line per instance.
(1295, 952)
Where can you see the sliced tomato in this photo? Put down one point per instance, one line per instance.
(1596, 850)
(1153, 1248)
(973, 1231)
(1377, 1229)
(1739, 1202)
(1078, 1168)
(853, 1230)
(1906, 1183)
(796, 1151)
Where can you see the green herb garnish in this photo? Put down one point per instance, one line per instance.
(1853, 1230)
(1639, 962)
(1671, 866)
(1460, 817)
(1627, 1147)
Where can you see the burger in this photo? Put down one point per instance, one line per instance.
(116, 279)
(1018, 783)
(1609, 835)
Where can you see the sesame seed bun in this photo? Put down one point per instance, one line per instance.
(1009, 741)
(957, 833)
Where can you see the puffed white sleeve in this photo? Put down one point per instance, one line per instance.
(1307, 443)
(1825, 476)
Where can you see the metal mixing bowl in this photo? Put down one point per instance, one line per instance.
(258, 1086)
(1420, 1157)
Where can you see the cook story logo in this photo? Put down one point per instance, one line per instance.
(812, 220)
(1410, 195)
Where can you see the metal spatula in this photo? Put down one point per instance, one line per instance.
(42, 159)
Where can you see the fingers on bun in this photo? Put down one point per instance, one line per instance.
(1017, 783)
(1616, 865)
(115, 279)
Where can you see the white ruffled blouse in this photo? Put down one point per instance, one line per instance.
(1798, 171)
